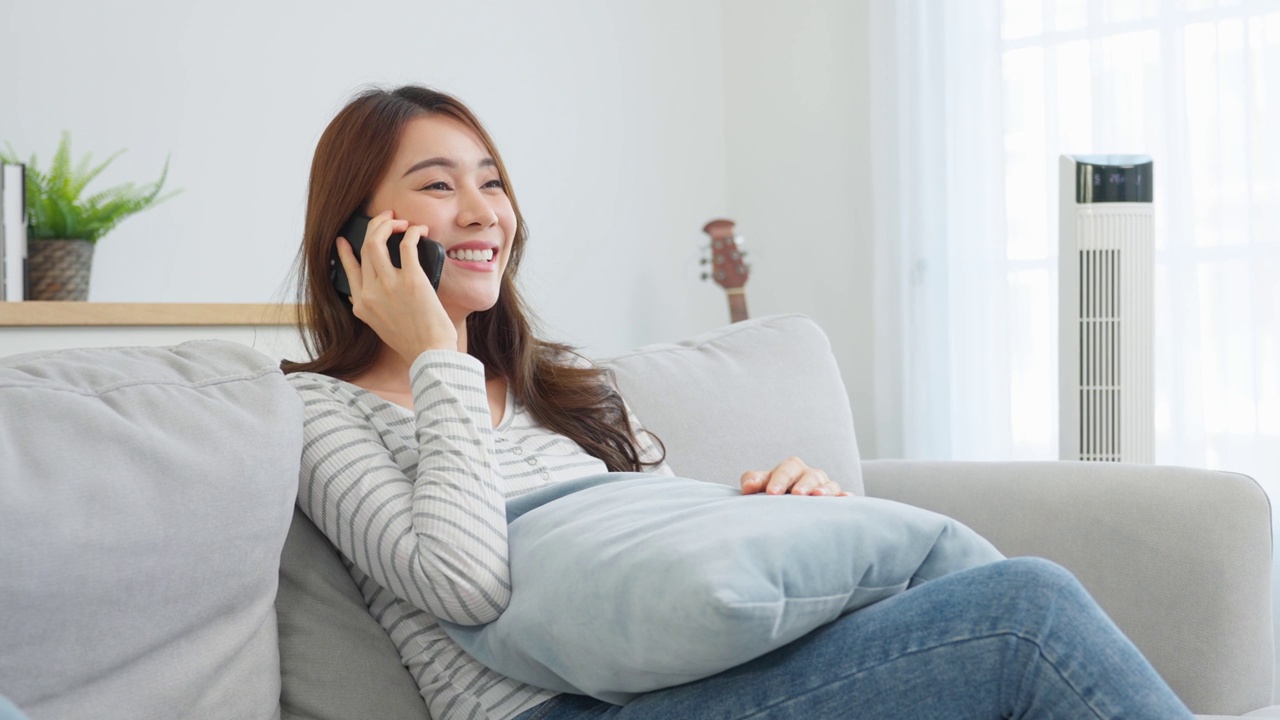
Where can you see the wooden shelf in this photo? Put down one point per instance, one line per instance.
(48, 314)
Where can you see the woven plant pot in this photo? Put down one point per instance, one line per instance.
(59, 269)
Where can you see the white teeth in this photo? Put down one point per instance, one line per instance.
(471, 255)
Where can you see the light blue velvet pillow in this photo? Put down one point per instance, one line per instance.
(627, 583)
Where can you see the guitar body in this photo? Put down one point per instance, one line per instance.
(728, 266)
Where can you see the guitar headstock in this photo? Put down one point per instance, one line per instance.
(729, 266)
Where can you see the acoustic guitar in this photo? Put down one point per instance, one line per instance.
(729, 267)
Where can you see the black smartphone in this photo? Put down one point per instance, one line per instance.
(430, 253)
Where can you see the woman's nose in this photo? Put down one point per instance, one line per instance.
(474, 209)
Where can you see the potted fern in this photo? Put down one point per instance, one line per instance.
(64, 224)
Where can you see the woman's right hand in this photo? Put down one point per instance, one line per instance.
(398, 303)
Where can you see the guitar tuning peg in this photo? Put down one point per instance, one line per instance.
(705, 276)
(702, 261)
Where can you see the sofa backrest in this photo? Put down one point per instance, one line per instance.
(145, 494)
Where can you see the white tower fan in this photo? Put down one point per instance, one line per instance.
(1106, 331)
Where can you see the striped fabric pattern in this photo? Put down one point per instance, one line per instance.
(415, 503)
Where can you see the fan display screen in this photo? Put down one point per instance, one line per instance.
(1102, 182)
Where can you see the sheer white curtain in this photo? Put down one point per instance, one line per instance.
(973, 101)
(942, 341)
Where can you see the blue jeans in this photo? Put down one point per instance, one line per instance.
(1014, 639)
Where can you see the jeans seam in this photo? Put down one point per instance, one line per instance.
(762, 712)
(1040, 651)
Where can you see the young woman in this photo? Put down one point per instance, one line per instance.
(426, 409)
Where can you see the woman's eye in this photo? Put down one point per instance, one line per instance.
(437, 186)
(494, 184)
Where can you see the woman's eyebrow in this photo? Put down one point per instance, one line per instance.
(444, 162)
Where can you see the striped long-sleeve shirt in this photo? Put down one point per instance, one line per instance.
(415, 503)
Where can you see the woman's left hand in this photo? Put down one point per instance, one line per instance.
(790, 476)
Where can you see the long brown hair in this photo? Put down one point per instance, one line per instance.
(352, 157)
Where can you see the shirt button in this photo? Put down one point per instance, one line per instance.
(501, 439)
(545, 475)
(533, 461)
(517, 450)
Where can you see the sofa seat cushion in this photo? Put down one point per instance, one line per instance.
(145, 495)
(1266, 712)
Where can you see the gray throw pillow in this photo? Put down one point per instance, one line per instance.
(336, 662)
(145, 494)
(744, 397)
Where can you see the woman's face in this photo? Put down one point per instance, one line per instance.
(443, 177)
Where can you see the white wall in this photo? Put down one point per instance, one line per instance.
(798, 130)
(626, 126)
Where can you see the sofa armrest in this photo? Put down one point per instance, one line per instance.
(1180, 558)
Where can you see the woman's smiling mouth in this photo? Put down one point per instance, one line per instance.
(471, 255)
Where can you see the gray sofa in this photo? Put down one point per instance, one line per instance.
(156, 568)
